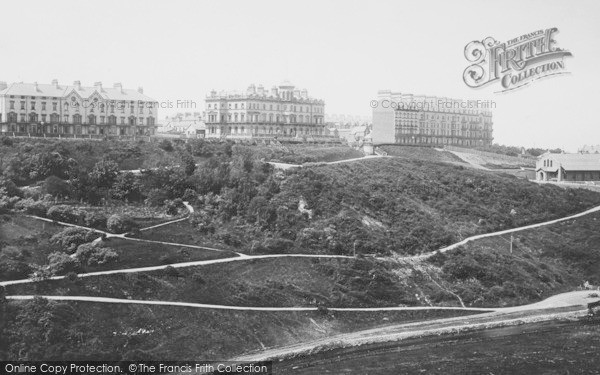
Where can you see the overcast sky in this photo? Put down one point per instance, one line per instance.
(341, 51)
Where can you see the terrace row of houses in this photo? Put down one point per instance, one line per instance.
(76, 110)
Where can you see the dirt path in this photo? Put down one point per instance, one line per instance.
(241, 308)
(564, 306)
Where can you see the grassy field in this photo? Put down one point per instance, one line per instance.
(421, 153)
(93, 331)
(303, 153)
(270, 282)
(31, 237)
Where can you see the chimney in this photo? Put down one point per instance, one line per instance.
(36, 87)
(118, 86)
(77, 85)
(55, 83)
(141, 90)
(261, 90)
(251, 90)
(274, 91)
(3, 85)
(98, 86)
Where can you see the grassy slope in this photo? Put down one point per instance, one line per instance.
(100, 332)
(403, 206)
(271, 282)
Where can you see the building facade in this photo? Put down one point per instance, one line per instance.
(408, 119)
(282, 113)
(568, 167)
(32, 109)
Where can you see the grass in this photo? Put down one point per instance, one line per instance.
(307, 153)
(29, 235)
(86, 331)
(144, 254)
(270, 282)
(421, 153)
(181, 232)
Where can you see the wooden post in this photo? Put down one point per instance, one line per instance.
(511, 243)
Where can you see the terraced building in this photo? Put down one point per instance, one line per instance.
(409, 119)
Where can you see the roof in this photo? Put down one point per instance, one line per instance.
(576, 162)
(31, 89)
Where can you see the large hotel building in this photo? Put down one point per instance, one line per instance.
(284, 113)
(33, 109)
(431, 121)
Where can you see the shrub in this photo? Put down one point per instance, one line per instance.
(166, 145)
(56, 187)
(156, 197)
(94, 255)
(171, 271)
(95, 220)
(61, 263)
(33, 207)
(120, 223)
(66, 213)
(12, 263)
(11, 188)
(70, 238)
(172, 207)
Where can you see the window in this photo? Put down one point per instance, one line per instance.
(101, 108)
(66, 118)
(43, 106)
(77, 119)
(33, 117)
(92, 120)
(141, 105)
(112, 120)
(122, 120)
(12, 117)
(141, 121)
(150, 120)
(44, 118)
(102, 120)
(54, 118)
(22, 104)
(131, 120)
(54, 106)
(12, 104)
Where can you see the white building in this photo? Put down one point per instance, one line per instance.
(74, 110)
(284, 112)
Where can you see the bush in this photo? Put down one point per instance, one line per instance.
(56, 187)
(95, 220)
(66, 213)
(33, 207)
(61, 263)
(120, 223)
(166, 145)
(11, 188)
(70, 238)
(156, 197)
(94, 255)
(12, 264)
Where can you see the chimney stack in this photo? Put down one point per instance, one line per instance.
(118, 86)
(55, 83)
(3, 85)
(98, 86)
(36, 87)
(141, 90)
(77, 85)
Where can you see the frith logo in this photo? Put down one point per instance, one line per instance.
(515, 63)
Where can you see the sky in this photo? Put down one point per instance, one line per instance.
(341, 51)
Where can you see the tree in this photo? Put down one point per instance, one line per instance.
(70, 238)
(63, 212)
(104, 173)
(56, 187)
(188, 163)
(127, 187)
(61, 263)
(120, 223)
(93, 254)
